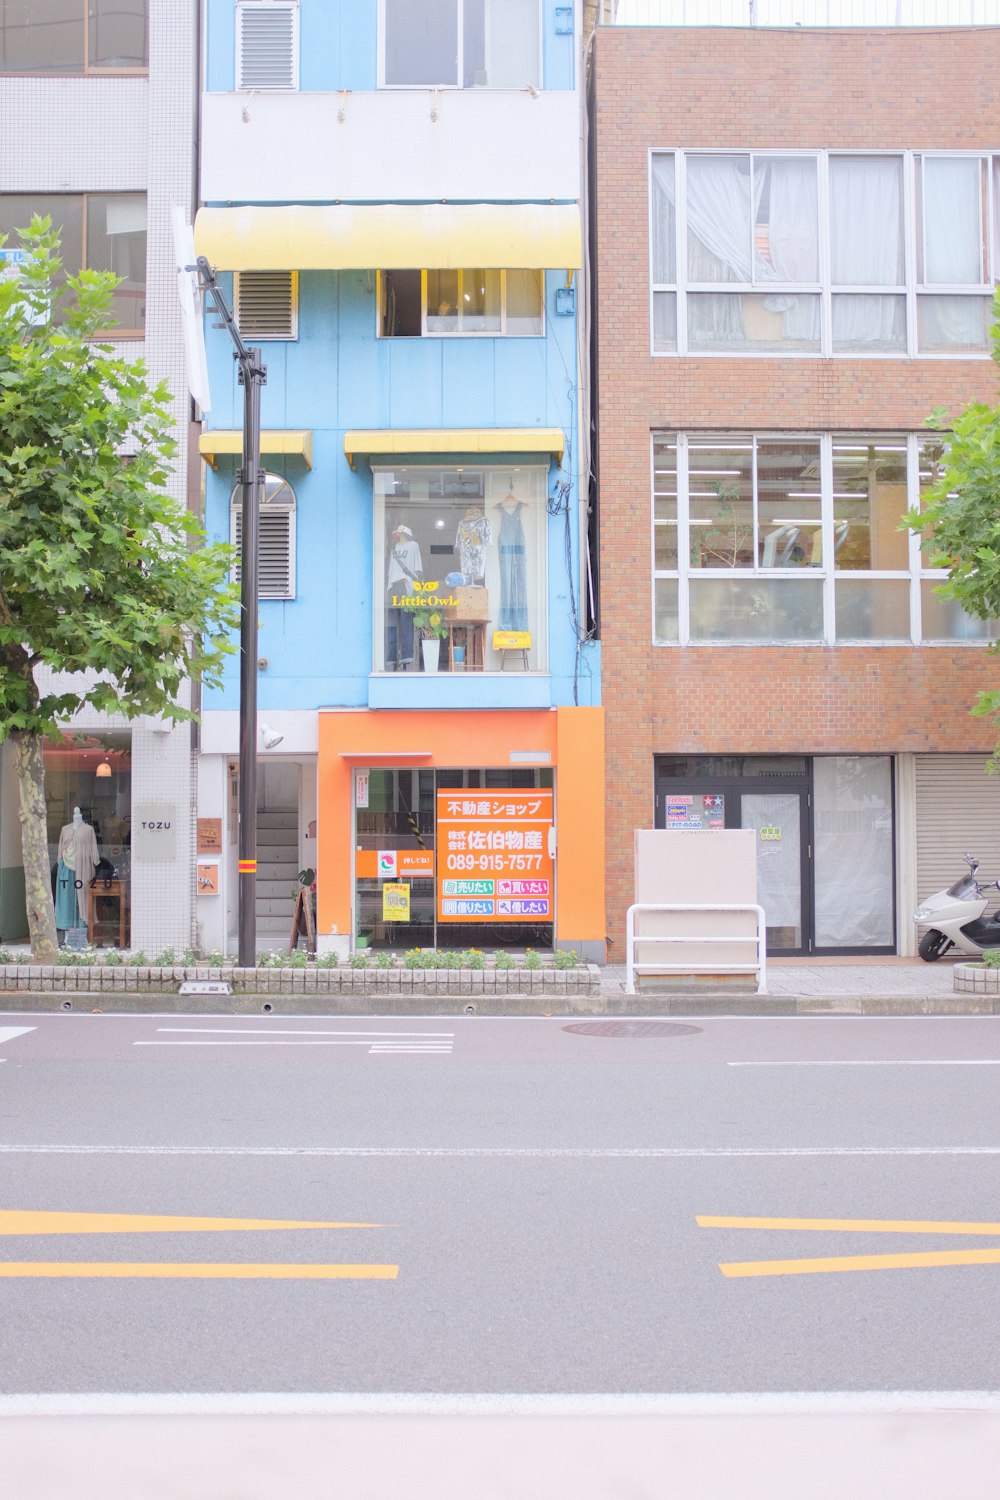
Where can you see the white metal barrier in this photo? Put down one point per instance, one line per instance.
(632, 938)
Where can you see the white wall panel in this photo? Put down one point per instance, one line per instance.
(389, 147)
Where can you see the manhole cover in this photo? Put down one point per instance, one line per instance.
(632, 1028)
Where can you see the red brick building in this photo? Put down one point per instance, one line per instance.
(796, 237)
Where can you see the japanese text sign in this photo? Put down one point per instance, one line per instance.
(493, 854)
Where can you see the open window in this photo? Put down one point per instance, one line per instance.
(471, 302)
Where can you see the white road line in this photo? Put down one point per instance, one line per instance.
(271, 1042)
(321, 1403)
(410, 1052)
(868, 1062)
(8, 1033)
(531, 1153)
(293, 1031)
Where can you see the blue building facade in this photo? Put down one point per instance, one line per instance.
(391, 195)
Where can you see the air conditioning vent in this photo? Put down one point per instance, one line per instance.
(267, 45)
(267, 304)
(275, 538)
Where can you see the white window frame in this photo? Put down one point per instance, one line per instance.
(458, 86)
(464, 333)
(292, 7)
(910, 290)
(916, 574)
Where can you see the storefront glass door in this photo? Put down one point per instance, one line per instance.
(398, 849)
(777, 821)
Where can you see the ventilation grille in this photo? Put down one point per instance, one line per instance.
(275, 552)
(267, 304)
(268, 46)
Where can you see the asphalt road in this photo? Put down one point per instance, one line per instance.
(529, 1194)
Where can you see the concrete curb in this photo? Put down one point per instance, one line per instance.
(423, 1003)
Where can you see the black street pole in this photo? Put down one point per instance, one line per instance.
(253, 375)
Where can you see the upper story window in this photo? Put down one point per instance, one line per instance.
(785, 539)
(460, 568)
(495, 304)
(100, 231)
(267, 44)
(465, 44)
(74, 36)
(823, 253)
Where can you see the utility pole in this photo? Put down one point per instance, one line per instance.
(253, 374)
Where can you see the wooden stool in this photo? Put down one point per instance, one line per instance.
(473, 639)
(113, 890)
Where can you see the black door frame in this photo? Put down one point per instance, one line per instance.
(733, 788)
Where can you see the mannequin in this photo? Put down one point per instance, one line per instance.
(513, 575)
(474, 535)
(78, 859)
(404, 567)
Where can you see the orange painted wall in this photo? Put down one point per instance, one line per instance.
(574, 740)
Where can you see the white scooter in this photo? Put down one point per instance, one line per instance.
(955, 917)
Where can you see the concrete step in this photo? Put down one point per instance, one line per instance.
(284, 890)
(277, 870)
(277, 817)
(268, 837)
(275, 907)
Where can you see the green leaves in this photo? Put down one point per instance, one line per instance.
(960, 513)
(101, 570)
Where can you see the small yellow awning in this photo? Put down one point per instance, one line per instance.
(391, 236)
(455, 440)
(213, 445)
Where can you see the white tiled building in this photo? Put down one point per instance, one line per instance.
(98, 116)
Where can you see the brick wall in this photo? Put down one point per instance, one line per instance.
(742, 89)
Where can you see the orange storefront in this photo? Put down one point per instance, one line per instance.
(480, 828)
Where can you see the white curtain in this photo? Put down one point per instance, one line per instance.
(664, 220)
(952, 233)
(952, 199)
(718, 245)
(866, 248)
(793, 238)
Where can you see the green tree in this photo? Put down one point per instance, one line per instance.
(959, 515)
(102, 574)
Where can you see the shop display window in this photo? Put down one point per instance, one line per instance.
(88, 798)
(460, 567)
(399, 820)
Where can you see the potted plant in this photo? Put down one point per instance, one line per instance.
(431, 628)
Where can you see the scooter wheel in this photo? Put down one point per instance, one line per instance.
(933, 944)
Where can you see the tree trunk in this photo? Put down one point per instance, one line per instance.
(35, 846)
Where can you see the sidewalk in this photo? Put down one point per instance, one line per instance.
(856, 986)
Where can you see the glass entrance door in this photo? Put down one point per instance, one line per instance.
(776, 818)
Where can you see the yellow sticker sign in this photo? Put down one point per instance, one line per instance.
(512, 640)
(395, 902)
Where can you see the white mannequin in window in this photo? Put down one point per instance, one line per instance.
(77, 860)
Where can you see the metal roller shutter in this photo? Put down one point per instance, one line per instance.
(958, 812)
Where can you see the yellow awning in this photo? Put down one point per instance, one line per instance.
(455, 440)
(391, 236)
(212, 445)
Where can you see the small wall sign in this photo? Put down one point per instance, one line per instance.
(154, 831)
(209, 835)
(208, 880)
